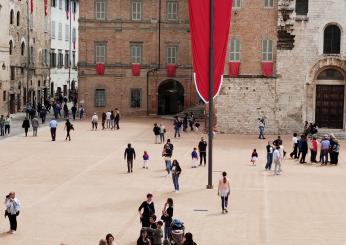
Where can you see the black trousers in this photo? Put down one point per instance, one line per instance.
(7, 129)
(224, 202)
(53, 133)
(117, 124)
(26, 131)
(294, 153)
(129, 165)
(13, 221)
(68, 134)
(313, 156)
(302, 160)
(202, 156)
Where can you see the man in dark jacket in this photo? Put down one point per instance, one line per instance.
(156, 131)
(129, 155)
(202, 147)
(146, 210)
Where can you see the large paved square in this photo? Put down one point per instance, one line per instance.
(76, 192)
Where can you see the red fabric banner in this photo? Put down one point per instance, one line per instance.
(136, 70)
(267, 68)
(46, 7)
(100, 69)
(32, 6)
(234, 68)
(171, 70)
(200, 30)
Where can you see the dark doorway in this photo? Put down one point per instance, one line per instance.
(330, 106)
(12, 103)
(171, 97)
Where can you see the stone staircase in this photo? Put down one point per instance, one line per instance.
(339, 133)
(197, 110)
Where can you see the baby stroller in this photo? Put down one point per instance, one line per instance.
(177, 232)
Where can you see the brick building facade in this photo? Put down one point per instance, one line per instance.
(145, 49)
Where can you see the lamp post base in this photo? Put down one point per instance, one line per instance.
(210, 187)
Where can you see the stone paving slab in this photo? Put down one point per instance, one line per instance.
(78, 191)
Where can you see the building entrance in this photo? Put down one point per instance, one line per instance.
(170, 97)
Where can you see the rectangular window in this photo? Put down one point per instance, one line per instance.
(136, 53)
(53, 3)
(100, 53)
(236, 4)
(60, 4)
(302, 7)
(73, 59)
(135, 98)
(13, 73)
(136, 9)
(100, 9)
(67, 59)
(53, 58)
(172, 55)
(4, 95)
(67, 32)
(60, 31)
(53, 29)
(45, 59)
(234, 54)
(60, 59)
(32, 58)
(268, 3)
(172, 10)
(100, 98)
(45, 24)
(267, 50)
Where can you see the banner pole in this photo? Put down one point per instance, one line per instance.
(211, 95)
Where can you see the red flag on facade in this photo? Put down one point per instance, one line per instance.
(32, 6)
(46, 7)
(171, 70)
(200, 30)
(234, 68)
(267, 68)
(100, 69)
(136, 70)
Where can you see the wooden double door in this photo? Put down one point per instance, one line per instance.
(330, 106)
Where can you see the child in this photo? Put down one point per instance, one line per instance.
(145, 160)
(197, 126)
(194, 156)
(156, 234)
(254, 157)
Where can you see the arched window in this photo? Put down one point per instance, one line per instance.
(11, 47)
(18, 18)
(332, 36)
(11, 17)
(22, 48)
(330, 74)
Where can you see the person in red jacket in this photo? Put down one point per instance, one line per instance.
(313, 149)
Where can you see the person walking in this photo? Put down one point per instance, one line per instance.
(185, 122)
(43, 115)
(35, 124)
(277, 160)
(194, 156)
(146, 210)
(12, 205)
(74, 111)
(303, 149)
(66, 111)
(94, 121)
(103, 120)
(108, 119)
(167, 217)
(145, 159)
(177, 126)
(162, 133)
(53, 124)
(192, 121)
(335, 149)
(117, 118)
(2, 125)
(112, 120)
(261, 126)
(26, 126)
(81, 112)
(254, 157)
(325, 146)
(7, 124)
(167, 154)
(129, 155)
(202, 148)
(270, 151)
(156, 131)
(68, 127)
(294, 153)
(332, 140)
(313, 149)
(176, 171)
(224, 189)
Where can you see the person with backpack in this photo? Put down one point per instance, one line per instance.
(146, 210)
(68, 127)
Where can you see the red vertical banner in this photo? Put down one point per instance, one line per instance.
(32, 6)
(46, 7)
(199, 11)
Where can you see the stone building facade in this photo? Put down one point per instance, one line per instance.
(145, 49)
(308, 83)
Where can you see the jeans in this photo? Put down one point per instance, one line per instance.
(261, 133)
(94, 125)
(34, 131)
(2, 132)
(176, 181)
(202, 156)
(324, 156)
(168, 166)
(157, 139)
(13, 221)
(269, 161)
(168, 229)
(26, 131)
(108, 123)
(224, 202)
(68, 135)
(176, 132)
(162, 137)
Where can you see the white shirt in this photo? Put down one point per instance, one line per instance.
(53, 124)
(94, 118)
(276, 155)
(108, 115)
(294, 140)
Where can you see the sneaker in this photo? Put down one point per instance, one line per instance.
(226, 210)
(223, 211)
(176, 191)
(12, 232)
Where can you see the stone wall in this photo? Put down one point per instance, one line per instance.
(242, 101)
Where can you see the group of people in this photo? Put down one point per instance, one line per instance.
(109, 120)
(5, 125)
(184, 123)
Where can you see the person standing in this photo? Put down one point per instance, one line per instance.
(270, 151)
(112, 120)
(303, 149)
(294, 153)
(254, 157)
(68, 127)
(143, 238)
(192, 121)
(117, 118)
(313, 149)
(176, 171)
(43, 115)
(2, 125)
(94, 121)
(202, 148)
(261, 126)
(53, 124)
(332, 139)
(146, 210)
(65, 108)
(325, 146)
(194, 156)
(162, 133)
(81, 112)
(278, 141)
(177, 125)
(224, 189)
(167, 154)
(26, 126)
(167, 216)
(12, 211)
(145, 159)
(74, 111)
(277, 160)
(156, 131)
(185, 121)
(108, 119)
(7, 124)
(335, 152)
(129, 155)
(103, 120)
(35, 124)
